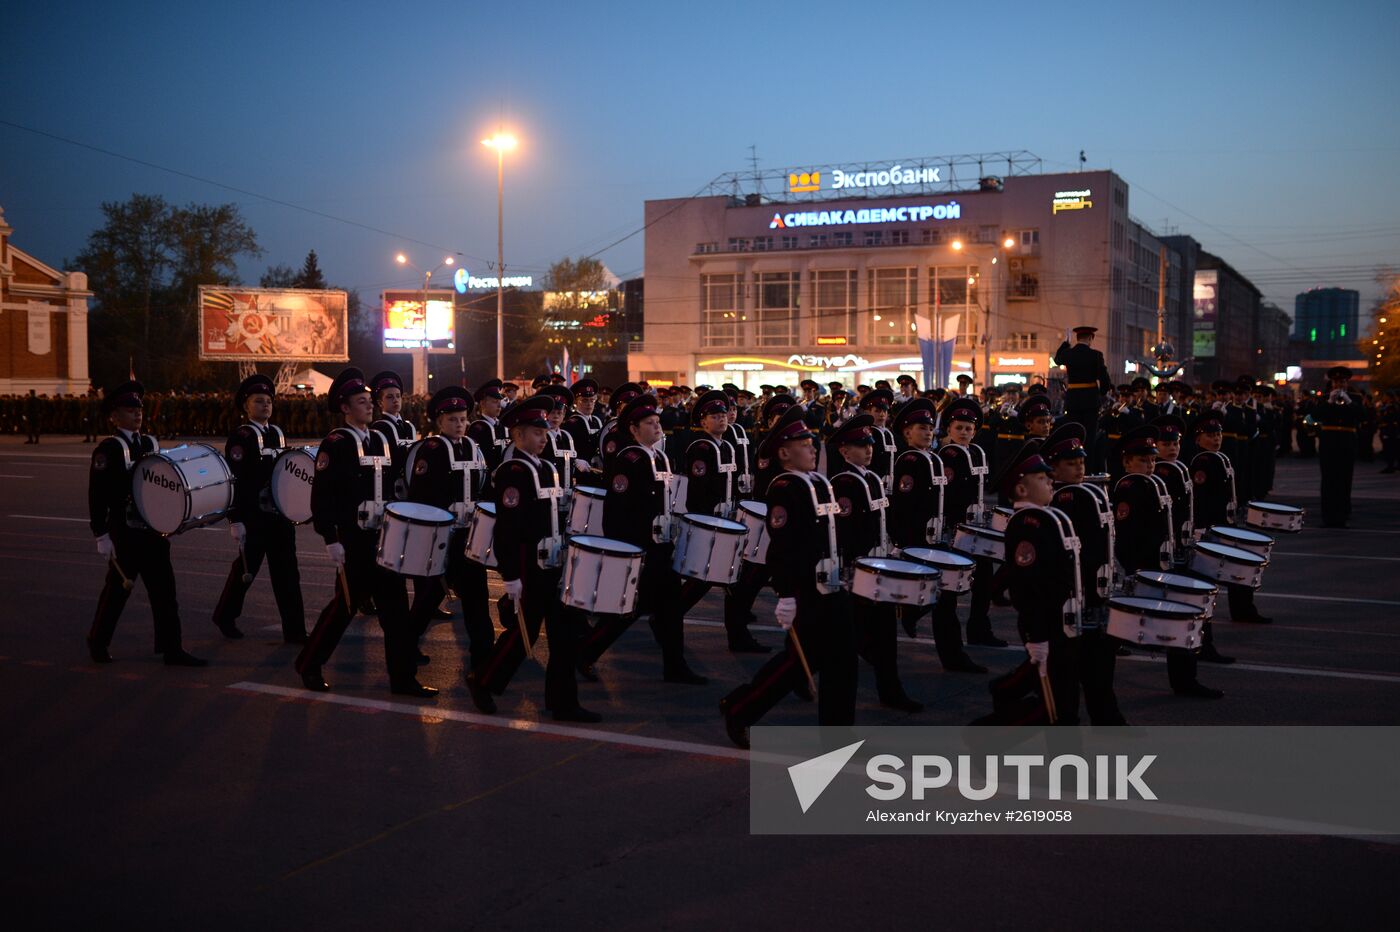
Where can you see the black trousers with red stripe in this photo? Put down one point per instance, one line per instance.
(468, 579)
(539, 607)
(141, 554)
(658, 596)
(1018, 698)
(825, 626)
(877, 643)
(274, 538)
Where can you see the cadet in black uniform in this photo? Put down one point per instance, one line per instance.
(862, 531)
(635, 512)
(965, 465)
(386, 390)
(486, 431)
(448, 471)
(353, 479)
(812, 604)
(1213, 502)
(738, 437)
(1338, 416)
(529, 558)
(583, 424)
(1086, 379)
(131, 548)
(615, 436)
(253, 521)
(780, 410)
(885, 445)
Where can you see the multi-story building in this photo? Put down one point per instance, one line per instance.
(1326, 322)
(43, 324)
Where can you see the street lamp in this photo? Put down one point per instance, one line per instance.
(420, 360)
(502, 143)
(998, 251)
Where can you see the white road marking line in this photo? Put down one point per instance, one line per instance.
(1321, 598)
(48, 518)
(500, 722)
(1334, 556)
(11, 476)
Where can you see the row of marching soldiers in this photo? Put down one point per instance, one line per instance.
(591, 526)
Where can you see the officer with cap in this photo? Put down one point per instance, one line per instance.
(1086, 379)
(487, 431)
(1176, 475)
(1337, 416)
(132, 549)
(738, 436)
(529, 557)
(965, 465)
(386, 390)
(637, 511)
(584, 425)
(813, 606)
(353, 479)
(862, 530)
(559, 446)
(260, 530)
(448, 471)
(814, 414)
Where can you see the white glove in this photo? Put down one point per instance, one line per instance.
(1039, 652)
(513, 589)
(238, 531)
(785, 613)
(105, 547)
(337, 553)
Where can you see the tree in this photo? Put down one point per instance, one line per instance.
(1380, 348)
(278, 276)
(310, 275)
(579, 309)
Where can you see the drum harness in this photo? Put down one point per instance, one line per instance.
(726, 469)
(567, 455)
(370, 514)
(663, 528)
(888, 445)
(1188, 526)
(265, 502)
(1167, 554)
(1072, 612)
(933, 532)
(828, 570)
(475, 463)
(741, 451)
(133, 518)
(977, 511)
(550, 552)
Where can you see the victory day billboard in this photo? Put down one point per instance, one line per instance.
(291, 324)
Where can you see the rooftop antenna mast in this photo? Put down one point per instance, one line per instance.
(757, 177)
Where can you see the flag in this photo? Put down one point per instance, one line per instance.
(923, 329)
(131, 368)
(945, 355)
(566, 371)
(936, 354)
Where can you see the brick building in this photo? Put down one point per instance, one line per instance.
(43, 324)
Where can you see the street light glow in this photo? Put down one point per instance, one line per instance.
(401, 259)
(501, 142)
(957, 245)
(1008, 242)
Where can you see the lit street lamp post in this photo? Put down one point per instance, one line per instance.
(998, 290)
(502, 143)
(420, 359)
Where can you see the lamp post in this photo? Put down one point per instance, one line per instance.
(420, 359)
(998, 288)
(502, 143)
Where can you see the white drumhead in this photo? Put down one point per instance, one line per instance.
(757, 509)
(1234, 533)
(1232, 554)
(159, 492)
(976, 531)
(1157, 608)
(721, 525)
(605, 545)
(418, 513)
(940, 559)
(1175, 581)
(588, 491)
(1274, 508)
(900, 569)
(487, 507)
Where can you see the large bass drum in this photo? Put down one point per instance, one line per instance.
(290, 487)
(181, 488)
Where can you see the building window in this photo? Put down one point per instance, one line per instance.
(954, 285)
(1117, 280)
(762, 243)
(706, 247)
(930, 237)
(834, 303)
(776, 310)
(1028, 340)
(874, 237)
(720, 311)
(846, 238)
(899, 237)
(817, 240)
(894, 300)
(1023, 286)
(1119, 236)
(789, 242)
(738, 244)
(1030, 238)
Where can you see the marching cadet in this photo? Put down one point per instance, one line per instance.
(917, 520)
(448, 471)
(528, 546)
(885, 446)
(1177, 476)
(1338, 416)
(486, 431)
(584, 425)
(253, 520)
(711, 470)
(908, 391)
(965, 465)
(1213, 503)
(354, 477)
(615, 435)
(131, 548)
(1032, 420)
(986, 436)
(559, 446)
(1263, 449)
(813, 607)
(1088, 510)
(1143, 540)
(738, 437)
(636, 511)
(386, 390)
(1086, 379)
(862, 531)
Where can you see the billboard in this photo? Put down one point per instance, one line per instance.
(405, 318)
(1204, 307)
(239, 324)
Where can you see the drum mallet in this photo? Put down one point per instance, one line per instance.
(1049, 695)
(126, 582)
(802, 658)
(243, 558)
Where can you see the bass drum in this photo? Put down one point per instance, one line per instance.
(290, 487)
(181, 488)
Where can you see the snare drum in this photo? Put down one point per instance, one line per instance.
(290, 487)
(180, 488)
(1227, 564)
(1173, 587)
(980, 541)
(901, 582)
(709, 549)
(1000, 518)
(955, 569)
(481, 534)
(413, 539)
(1155, 623)
(1261, 544)
(600, 575)
(754, 517)
(586, 510)
(1271, 516)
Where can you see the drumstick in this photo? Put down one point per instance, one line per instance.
(802, 658)
(243, 558)
(524, 631)
(345, 589)
(1049, 695)
(126, 583)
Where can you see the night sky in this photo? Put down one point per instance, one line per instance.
(1272, 139)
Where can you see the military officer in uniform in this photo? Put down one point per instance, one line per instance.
(1086, 379)
(132, 549)
(487, 431)
(253, 520)
(1338, 416)
(354, 477)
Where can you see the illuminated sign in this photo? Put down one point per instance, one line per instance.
(1070, 200)
(1015, 361)
(895, 175)
(824, 362)
(831, 341)
(405, 321)
(464, 281)
(804, 181)
(915, 213)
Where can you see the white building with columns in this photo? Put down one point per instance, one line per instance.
(43, 324)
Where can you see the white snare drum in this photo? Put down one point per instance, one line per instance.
(980, 541)
(180, 488)
(1261, 544)
(1155, 623)
(481, 534)
(1173, 587)
(1227, 564)
(600, 575)
(902, 582)
(754, 517)
(1000, 518)
(413, 539)
(586, 510)
(1271, 516)
(709, 548)
(290, 486)
(955, 569)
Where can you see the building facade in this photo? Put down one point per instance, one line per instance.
(1326, 322)
(43, 324)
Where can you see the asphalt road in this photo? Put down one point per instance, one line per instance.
(139, 796)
